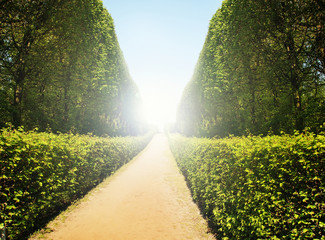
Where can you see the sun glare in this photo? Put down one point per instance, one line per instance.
(159, 110)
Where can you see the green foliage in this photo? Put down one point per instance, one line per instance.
(61, 67)
(43, 172)
(262, 68)
(269, 187)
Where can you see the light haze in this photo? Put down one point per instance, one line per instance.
(161, 41)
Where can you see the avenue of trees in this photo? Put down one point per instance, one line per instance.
(261, 69)
(61, 68)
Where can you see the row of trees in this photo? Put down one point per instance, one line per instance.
(261, 69)
(61, 67)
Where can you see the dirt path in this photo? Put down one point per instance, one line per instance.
(146, 200)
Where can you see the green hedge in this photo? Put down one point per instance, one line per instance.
(43, 172)
(257, 187)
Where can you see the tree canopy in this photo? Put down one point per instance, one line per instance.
(61, 68)
(261, 69)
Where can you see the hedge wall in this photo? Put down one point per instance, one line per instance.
(257, 187)
(43, 172)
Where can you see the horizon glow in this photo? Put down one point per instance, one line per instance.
(161, 42)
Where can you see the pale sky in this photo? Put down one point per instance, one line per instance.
(161, 41)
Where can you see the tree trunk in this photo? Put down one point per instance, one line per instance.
(298, 109)
(66, 106)
(295, 81)
(18, 94)
(20, 76)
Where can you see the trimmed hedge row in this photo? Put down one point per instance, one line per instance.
(43, 172)
(257, 187)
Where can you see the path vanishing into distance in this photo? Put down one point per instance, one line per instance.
(146, 200)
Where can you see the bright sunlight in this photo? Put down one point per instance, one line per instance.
(159, 109)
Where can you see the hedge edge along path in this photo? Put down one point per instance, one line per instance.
(42, 173)
(257, 187)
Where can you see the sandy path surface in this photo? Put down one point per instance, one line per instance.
(148, 199)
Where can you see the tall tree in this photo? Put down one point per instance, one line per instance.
(261, 68)
(23, 24)
(63, 66)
